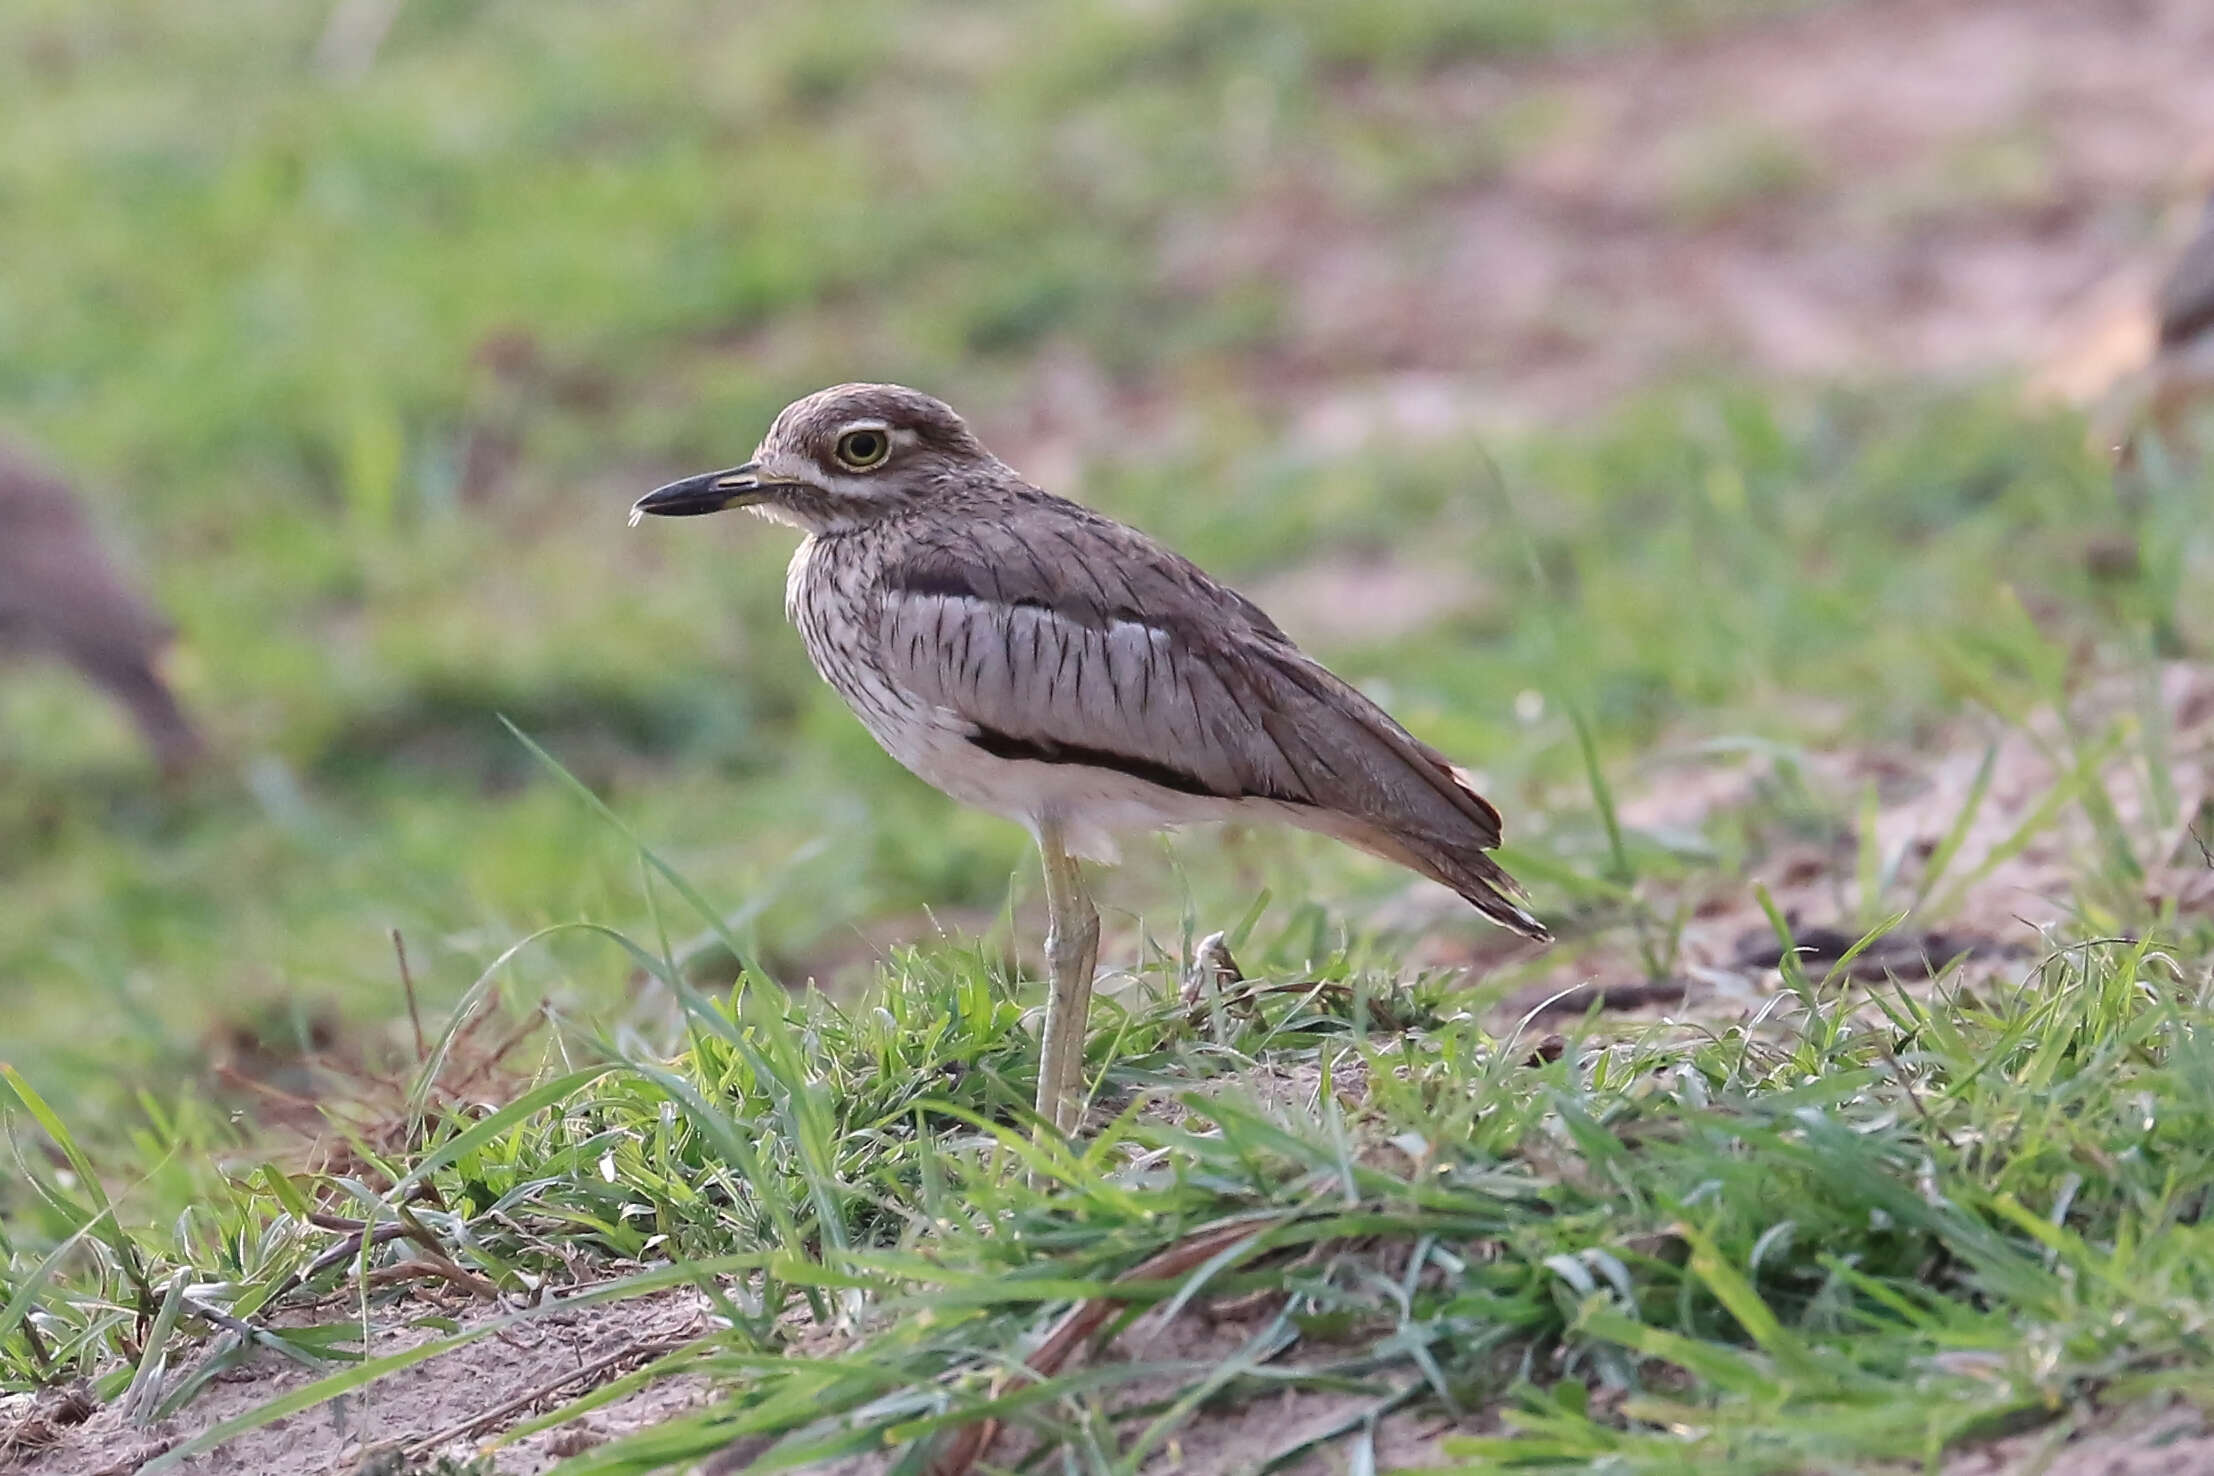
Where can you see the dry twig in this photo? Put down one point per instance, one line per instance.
(491, 1418)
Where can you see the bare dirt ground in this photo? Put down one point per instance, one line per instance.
(2010, 881)
(436, 1408)
(1898, 187)
(2155, 1439)
(1298, 1432)
(1901, 187)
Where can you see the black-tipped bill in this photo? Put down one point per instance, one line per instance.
(709, 492)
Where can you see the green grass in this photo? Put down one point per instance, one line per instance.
(253, 308)
(1708, 565)
(1852, 1233)
(1849, 1234)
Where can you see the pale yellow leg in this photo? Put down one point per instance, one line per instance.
(1072, 953)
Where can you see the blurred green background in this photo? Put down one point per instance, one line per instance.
(360, 343)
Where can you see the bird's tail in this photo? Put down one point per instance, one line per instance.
(1487, 887)
(1482, 882)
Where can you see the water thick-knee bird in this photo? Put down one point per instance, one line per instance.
(1040, 660)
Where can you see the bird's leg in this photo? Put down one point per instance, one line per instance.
(1072, 952)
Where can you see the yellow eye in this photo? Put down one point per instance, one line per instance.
(862, 449)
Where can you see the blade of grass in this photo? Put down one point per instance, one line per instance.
(708, 912)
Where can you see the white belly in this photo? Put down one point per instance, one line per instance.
(1094, 806)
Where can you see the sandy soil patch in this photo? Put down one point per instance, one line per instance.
(404, 1411)
(2155, 1439)
(1900, 187)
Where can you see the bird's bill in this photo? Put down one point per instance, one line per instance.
(709, 492)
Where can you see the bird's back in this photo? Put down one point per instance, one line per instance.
(1033, 631)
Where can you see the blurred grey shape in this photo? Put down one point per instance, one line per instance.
(63, 599)
(2185, 307)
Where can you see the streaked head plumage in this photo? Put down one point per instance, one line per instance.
(838, 458)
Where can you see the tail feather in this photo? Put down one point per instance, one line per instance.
(1487, 887)
(1482, 882)
(1374, 784)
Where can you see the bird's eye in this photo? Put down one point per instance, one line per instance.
(862, 449)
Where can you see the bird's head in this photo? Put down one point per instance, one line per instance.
(840, 458)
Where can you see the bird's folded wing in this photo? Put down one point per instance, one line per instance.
(1063, 636)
